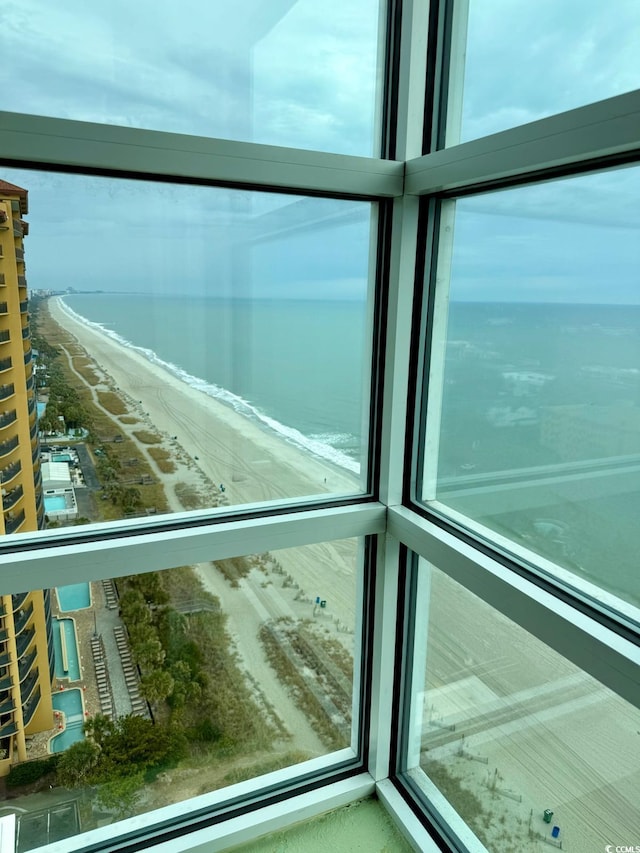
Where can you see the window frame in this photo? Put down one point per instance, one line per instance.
(590, 137)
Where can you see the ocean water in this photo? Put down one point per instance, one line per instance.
(540, 419)
(540, 432)
(300, 367)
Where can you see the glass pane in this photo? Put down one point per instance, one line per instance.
(537, 356)
(525, 61)
(147, 690)
(188, 347)
(525, 746)
(281, 72)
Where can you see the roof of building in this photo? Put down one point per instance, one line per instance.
(55, 472)
(12, 189)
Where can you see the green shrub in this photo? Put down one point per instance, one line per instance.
(30, 771)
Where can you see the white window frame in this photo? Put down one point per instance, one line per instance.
(598, 135)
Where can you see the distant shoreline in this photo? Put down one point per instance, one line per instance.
(252, 463)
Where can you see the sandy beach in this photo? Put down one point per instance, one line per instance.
(229, 449)
(252, 463)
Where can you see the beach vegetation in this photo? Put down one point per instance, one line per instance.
(128, 419)
(190, 497)
(83, 366)
(29, 772)
(189, 669)
(147, 437)
(112, 402)
(163, 459)
(321, 689)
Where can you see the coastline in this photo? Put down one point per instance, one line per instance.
(230, 449)
(253, 463)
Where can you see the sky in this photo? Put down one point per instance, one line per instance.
(307, 74)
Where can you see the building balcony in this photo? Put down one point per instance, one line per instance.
(7, 446)
(35, 453)
(12, 498)
(26, 331)
(13, 524)
(4, 308)
(2, 281)
(10, 471)
(6, 682)
(7, 391)
(21, 618)
(18, 230)
(18, 599)
(27, 356)
(37, 479)
(20, 255)
(5, 364)
(24, 641)
(32, 406)
(29, 384)
(22, 281)
(9, 728)
(24, 306)
(33, 429)
(7, 705)
(40, 519)
(25, 666)
(5, 336)
(39, 500)
(5, 657)
(29, 708)
(27, 686)
(7, 418)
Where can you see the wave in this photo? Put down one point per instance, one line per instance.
(312, 444)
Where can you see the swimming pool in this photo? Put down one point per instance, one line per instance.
(65, 649)
(61, 457)
(54, 502)
(70, 702)
(75, 596)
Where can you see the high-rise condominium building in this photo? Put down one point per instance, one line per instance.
(26, 648)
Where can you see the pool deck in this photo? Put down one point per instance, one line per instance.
(105, 621)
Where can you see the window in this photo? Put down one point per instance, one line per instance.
(469, 526)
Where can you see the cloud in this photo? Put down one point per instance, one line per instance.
(295, 74)
(529, 60)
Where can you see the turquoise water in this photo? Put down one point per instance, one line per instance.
(54, 502)
(61, 457)
(70, 702)
(66, 626)
(74, 596)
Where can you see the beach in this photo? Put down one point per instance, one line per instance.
(229, 450)
(480, 665)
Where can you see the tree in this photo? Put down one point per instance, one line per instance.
(121, 794)
(77, 764)
(157, 685)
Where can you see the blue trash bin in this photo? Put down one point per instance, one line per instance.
(555, 832)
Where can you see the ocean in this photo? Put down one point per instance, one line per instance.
(296, 366)
(540, 416)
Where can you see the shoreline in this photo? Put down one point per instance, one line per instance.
(252, 462)
(224, 447)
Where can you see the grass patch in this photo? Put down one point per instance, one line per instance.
(234, 569)
(112, 402)
(310, 684)
(147, 437)
(163, 459)
(128, 419)
(190, 497)
(84, 367)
